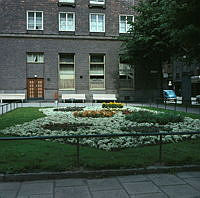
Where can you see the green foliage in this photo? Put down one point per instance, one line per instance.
(150, 117)
(66, 126)
(163, 29)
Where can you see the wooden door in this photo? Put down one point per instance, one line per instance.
(35, 88)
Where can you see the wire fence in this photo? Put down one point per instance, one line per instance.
(160, 136)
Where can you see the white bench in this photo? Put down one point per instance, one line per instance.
(73, 97)
(12, 96)
(111, 97)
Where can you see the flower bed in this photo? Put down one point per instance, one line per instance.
(112, 105)
(117, 123)
(94, 113)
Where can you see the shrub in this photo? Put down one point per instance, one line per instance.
(70, 109)
(150, 117)
(145, 129)
(94, 114)
(112, 105)
(66, 126)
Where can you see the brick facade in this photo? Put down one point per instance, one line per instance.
(16, 41)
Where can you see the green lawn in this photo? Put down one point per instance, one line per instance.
(36, 156)
(191, 115)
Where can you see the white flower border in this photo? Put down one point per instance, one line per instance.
(108, 125)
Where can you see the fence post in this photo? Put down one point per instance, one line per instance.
(175, 104)
(78, 152)
(165, 103)
(160, 150)
(2, 109)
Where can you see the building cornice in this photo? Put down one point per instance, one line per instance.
(69, 37)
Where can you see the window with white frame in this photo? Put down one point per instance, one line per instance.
(126, 74)
(97, 22)
(35, 20)
(66, 21)
(97, 67)
(66, 1)
(66, 71)
(97, 2)
(35, 57)
(124, 25)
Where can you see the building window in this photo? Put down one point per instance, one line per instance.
(35, 57)
(66, 71)
(97, 2)
(97, 68)
(34, 20)
(66, 21)
(124, 25)
(97, 23)
(126, 74)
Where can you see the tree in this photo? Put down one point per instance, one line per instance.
(163, 29)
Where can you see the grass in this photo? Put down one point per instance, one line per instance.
(191, 115)
(37, 156)
(19, 116)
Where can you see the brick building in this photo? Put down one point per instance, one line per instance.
(51, 47)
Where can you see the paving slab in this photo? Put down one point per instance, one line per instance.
(8, 194)
(9, 186)
(180, 191)
(150, 195)
(133, 178)
(110, 194)
(35, 188)
(70, 182)
(41, 196)
(72, 192)
(103, 184)
(165, 179)
(194, 182)
(140, 187)
(188, 174)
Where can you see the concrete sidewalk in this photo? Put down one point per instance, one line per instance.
(183, 185)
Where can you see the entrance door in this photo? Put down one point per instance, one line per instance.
(35, 88)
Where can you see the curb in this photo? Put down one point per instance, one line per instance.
(96, 174)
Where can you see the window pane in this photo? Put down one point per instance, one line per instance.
(129, 18)
(70, 22)
(68, 58)
(122, 27)
(62, 21)
(31, 20)
(123, 18)
(93, 23)
(97, 58)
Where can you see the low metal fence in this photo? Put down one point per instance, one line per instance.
(4, 108)
(160, 136)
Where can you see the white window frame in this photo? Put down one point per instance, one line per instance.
(93, 2)
(74, 71)
(90, 20)
(97, 74)
(32, 54)
(74, 21)
(126, 22)
(28, 11)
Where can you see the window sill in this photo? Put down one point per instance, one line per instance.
(71, 89)
(67, 32)
(97, 33)
(34, 31)
(60, 4)
(93, 5)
